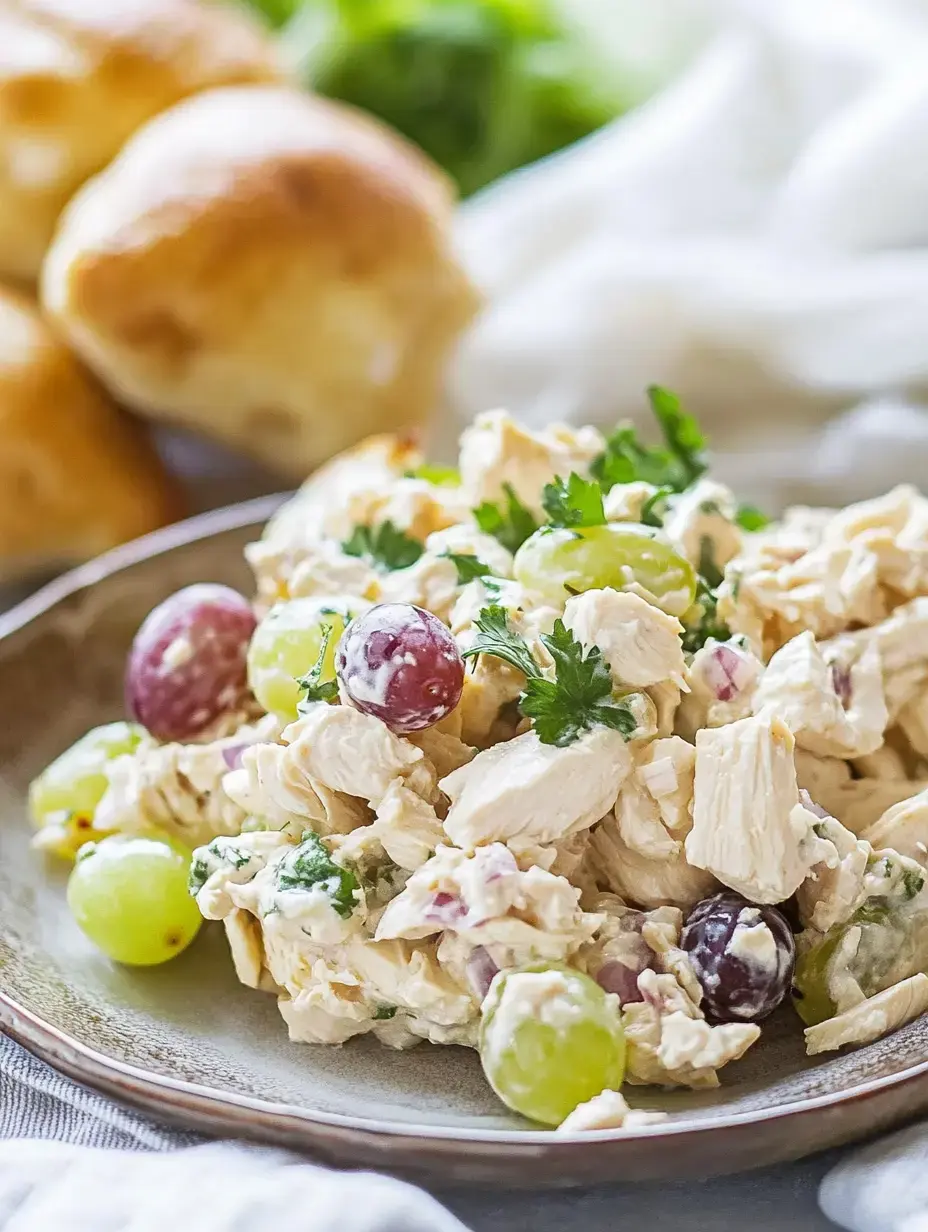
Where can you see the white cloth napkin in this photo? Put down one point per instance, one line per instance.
(156, 1178)
(756, 238)
(883, 1187)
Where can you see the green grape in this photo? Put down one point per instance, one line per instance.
(556, 563)
(64, 797)
(811, 996)
(285, 646)
(128, 893)
(550, 1039)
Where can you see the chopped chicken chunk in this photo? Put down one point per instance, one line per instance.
(640, 643)
(495, 451)
(831, 711)
(608, 1110)
(432, 583)
(870, 1019)
(702, 522)
(626, 501)
(524, 792)
(903, 827)
(902, 644)
(414, 506)
(406, 828)
(179, 788)
(836, 886)
(647, 880)
(316, 568)
(670, 1043)
(243, 932)
(749, 828)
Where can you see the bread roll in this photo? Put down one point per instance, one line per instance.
(76, 475)
(268, 266)
(77, 77)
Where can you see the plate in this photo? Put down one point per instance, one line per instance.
(187, 1043)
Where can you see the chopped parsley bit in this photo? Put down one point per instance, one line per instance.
(310, 865)
(317, 689)
(707, 625)
(751, 519)
(511, 525)
(385, 546)
(468, 566)
(676, 465)
(578, 502)
(654, 509)
(708, 569)
(913, 881)
(383, 1012)
(222, 852)
(578, 699)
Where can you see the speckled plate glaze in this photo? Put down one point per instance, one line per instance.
(188, 1044)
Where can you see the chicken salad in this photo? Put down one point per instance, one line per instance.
(563, 755)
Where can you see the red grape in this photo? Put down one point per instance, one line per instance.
(399, 663)
(187, 662)
(742, 954)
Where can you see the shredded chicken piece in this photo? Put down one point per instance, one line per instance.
(407, 829)
(179, 788)
(669, 1042)
(415, 506)
(903, 827)
(749, 828)
(243, 933)
(608, 1110)
(640, 643)
(701, 522)
(831, 711)
(286, 571)
(495, 450)
(836, 885)
(901, 641)
(524, 792)
(432, 583)
(870, 1019)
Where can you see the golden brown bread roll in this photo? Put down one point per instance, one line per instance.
(267, 266)
(77, 77)
(77, 476)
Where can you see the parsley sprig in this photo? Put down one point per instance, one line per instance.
(469, 566)
(675, 465)
(580, 696)
(510, 522)
(751, 519)
(317, 689)
(574, 502)
(385, 546)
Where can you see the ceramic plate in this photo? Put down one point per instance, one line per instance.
(187, 1043)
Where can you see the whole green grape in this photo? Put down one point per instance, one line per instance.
(65, 795)
(128, 894)
(556, 563)
(285, 646)
(550, 1039)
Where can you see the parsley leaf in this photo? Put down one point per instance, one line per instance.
(440, 476)
(681, 432)
(497, 637)
(385, 546)
(654, 509)
(578, 502)
(707, 625)
(578, 699)
(468, 566)
(751, 519)
(383, 1013)
(317, 689)
(310, 865)
(511, 524)
(675, 465)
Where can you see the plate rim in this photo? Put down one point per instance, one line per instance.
(247, 1114)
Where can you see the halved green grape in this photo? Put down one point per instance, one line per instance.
(64, 797)
(550, 1039)
(285, 646)
(128, 894)
(557, 563)
(811, 996)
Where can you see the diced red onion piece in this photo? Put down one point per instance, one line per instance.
(622, 980)
(841, 683)
(232, 755)
(807, 802)
(480, 971)
(727, 672)
(445, 909)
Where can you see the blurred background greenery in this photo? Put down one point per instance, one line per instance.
(484, 86)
